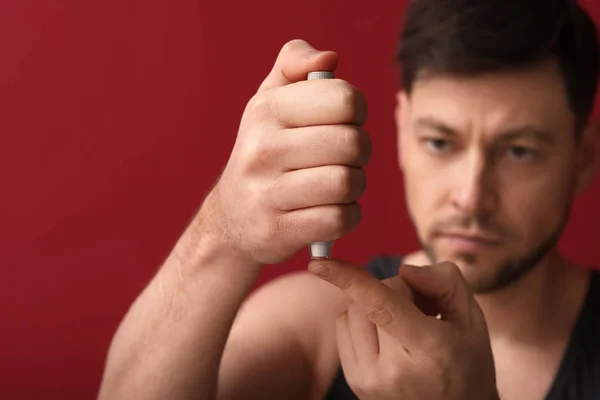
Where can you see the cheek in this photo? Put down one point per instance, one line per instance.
(424, 189)
(535, 209)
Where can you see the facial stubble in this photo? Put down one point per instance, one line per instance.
(513, 269)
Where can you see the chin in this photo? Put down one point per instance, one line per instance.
(483, 259)
(490, 267)
(488, 275)
(480, 270)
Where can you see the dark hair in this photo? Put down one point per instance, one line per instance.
(470, 37)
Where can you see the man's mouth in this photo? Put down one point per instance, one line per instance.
(469, 241)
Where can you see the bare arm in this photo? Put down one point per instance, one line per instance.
(283, 344)
(170, 344)
(276, 195)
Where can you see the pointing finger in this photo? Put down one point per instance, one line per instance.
(363, 333)
(391, 311)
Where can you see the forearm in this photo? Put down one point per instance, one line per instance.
(171, 341)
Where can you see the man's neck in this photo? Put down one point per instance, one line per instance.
(544, 304)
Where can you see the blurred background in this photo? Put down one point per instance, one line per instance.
(116, 118)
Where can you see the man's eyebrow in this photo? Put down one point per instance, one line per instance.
(432, 123)
(521, 132)
(528, 132)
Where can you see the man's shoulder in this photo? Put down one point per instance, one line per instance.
(594, 290)
(579, 374)
(589, 314)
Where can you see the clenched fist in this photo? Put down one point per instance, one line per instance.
(295, 173)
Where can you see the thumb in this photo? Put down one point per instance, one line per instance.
(443, 285)
(295, 60)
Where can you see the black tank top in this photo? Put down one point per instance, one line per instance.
(578, 377)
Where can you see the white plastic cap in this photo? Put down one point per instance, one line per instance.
(321, 249)
(320, 75)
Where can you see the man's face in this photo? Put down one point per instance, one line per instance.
(490, 169)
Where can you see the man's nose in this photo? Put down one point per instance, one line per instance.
(473, 191)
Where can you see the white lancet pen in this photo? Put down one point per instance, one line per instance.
(320, 250)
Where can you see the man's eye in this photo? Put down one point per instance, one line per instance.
(438, 145)
(520, 153)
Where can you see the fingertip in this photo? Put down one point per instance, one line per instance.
(331, 269)
(418, 278)
(409, 270)
(316, 262)
(319, 269)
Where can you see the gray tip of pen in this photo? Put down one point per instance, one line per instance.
(320, 250)
(320, 75)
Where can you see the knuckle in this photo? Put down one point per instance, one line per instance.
(353, 102)
(438, 364)
(366, 146)
(350, 139)
(357, 143)
(291, 46)
(354, 215)
(269, 230)
(337, 220)
(257, 103)
(391, 376)
(280, 234)
(380, 313)
(451, 269)
(348, 97)
(452, 274)
(259, 154)
(341, 182)
(264, 105)
(263, 152)
(378, 381)
(369, 382)
(341, 219)
(360, 183)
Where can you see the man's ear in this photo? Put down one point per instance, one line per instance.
(588, 155)
(401, 116)
(402, 109)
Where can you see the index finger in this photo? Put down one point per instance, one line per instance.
(392, 311)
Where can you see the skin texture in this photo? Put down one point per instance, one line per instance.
(493, 198)
(392, 346)
(279, 191)
(449, 327)
(494, 156)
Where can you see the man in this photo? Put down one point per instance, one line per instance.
(494, 141)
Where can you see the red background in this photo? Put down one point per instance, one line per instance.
(116, 117)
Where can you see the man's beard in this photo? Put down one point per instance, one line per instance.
(512, 269)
